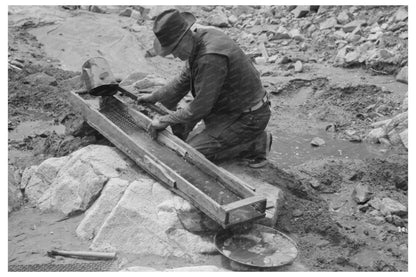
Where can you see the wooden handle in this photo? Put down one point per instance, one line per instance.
(83, 254)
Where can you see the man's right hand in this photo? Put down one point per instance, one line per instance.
(149, 98)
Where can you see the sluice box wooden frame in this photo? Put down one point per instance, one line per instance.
(248, 207)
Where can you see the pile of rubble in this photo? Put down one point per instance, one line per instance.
(368, 36)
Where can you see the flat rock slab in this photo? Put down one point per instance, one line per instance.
(137, 226)
(98, 212)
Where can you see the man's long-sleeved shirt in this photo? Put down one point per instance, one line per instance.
(222, 80)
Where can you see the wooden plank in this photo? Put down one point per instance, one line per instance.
(169, 177)
(165, 137)
(238, 186)
(242, 203)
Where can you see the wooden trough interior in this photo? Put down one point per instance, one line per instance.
(215, 191)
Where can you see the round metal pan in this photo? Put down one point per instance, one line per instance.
(258, 246)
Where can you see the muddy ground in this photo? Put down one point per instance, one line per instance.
(333, 232)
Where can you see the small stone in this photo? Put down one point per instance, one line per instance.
(402, 76)
(272, 59)
(298, 67)
(403, 136)
(218, 19)
(297, 213)
(328, 24)
(317, 142)
(260, 60)
(401, 14)
(352, 25)
(283, 60)
(374, 37)
(394, 137)
(343, 17)
(126, 13)
(300, 11)
(232, 19)
(361, 193)
(375, 135)
(281, 33)
(389, 206)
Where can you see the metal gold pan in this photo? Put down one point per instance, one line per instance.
(258, 246)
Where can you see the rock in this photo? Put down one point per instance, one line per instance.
(401, 15)
(281, 33)
(343, 18)
(403, 136)
(404, 106)
(374, 37)
(295, 34)
(283, 60)
(202, 268)
(389, 206)
(328, 24)
(218, 19)
(98, 212)
(352, 37)
(300, 11)
(340, 34)
(347, 28)
(297, 213)
(394, 137)
(82, 177)
(352, 57)
(298, 67)
(399, 120)
(402, 75)
(260, 60)
(126, 12)
(273, 58)
(96, 9)
(317, 142)
(232, 19)
(375, 135)
(155, 231)
(41, 177)
(361, 193)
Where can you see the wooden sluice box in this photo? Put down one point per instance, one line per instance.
(216, 192)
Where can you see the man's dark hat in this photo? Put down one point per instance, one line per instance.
(170, 26)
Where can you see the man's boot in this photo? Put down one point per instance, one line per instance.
(262, 146)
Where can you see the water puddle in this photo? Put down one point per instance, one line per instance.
(32, 128)
(294, 149)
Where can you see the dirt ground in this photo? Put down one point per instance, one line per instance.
(333, 232)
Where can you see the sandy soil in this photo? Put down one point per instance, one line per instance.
(331, 231)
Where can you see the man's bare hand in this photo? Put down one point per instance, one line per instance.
(146, 99)
(155, 126)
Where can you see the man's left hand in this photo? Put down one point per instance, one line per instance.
(155, 126)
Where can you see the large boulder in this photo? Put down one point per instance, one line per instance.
(139, 224)
(72, 183)
(98, 212)
(37, 179)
